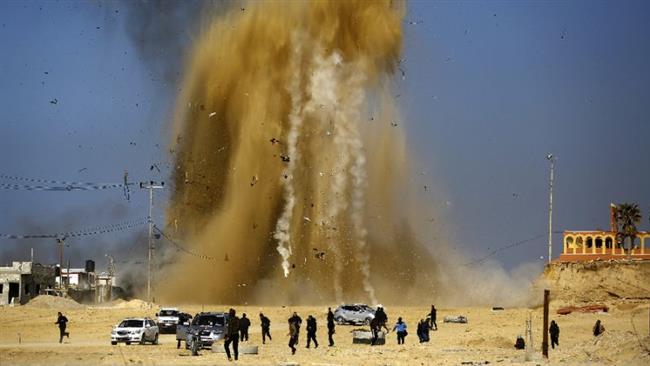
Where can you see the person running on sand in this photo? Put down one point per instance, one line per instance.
(400, 327)
(266, 327)
(311, 331)
(554, 331)
(62, 322)
(293, 336)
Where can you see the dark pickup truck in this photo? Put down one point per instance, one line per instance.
(209, 327)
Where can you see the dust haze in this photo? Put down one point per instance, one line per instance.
(290, 170)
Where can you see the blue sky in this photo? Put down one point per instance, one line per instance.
(490, 89)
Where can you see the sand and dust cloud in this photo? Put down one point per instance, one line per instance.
(288, 170)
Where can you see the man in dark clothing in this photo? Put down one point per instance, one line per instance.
(598, 328)
(62, 322)
(554, 330)
(298, 321)
(244, 323)
(432, 318)
(520, 343)
(382, 318)
(293, 336)
(311, 331)
(375, 328)
(330, 326)
(266, 327)
(423, 331)
(232, 335)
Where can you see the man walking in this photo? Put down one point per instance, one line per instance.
(293, 334)
(244, 323)
(296, 319)
(554, 330)
(330, 326)
(62, 322)
(311, 331)
(232, 335)
(266, 327)
(432, 318)
(400, 327)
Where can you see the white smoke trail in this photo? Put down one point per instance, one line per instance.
(324, 88)
(283, 226)
(358, 171)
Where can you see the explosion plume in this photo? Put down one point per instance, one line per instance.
(280, 172)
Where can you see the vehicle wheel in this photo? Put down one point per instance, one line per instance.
(155, 339)
(178, 343)
(142, 340)
(340, 321)
(113, 343)
(367, 321)
(128, 343)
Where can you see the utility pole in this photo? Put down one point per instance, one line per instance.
(61, 242)
(551, 159)
(547, 294)
(151, 185)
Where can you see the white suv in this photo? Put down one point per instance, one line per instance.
(135, 330)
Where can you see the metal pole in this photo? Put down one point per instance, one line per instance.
(545, 329)
(61, 244)
(150, 219)
(551, 158)
(150, 186)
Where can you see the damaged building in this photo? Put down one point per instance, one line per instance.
(22, 281)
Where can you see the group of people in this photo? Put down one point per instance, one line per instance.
(554, 332)
(237, 329)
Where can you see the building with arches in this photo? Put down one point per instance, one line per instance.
(602, 245)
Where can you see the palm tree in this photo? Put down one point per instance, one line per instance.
(627, 216)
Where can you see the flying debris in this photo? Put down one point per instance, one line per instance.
(285, 158)
(306, 219)
(54, 101)
(155, 166)
(394, 124)
(253, 180)
(403, 73)
(274, 141)
(212, 114)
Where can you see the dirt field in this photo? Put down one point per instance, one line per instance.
(489, 336)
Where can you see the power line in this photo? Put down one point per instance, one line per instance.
(183, 249)
(83, 232)
(62, 186)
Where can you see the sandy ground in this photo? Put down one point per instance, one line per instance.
(489, 336)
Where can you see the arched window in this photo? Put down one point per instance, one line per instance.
(590, 242)
(579, 242)
(608, 242)
(570, 242)
(599, 242)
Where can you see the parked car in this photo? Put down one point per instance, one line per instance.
(356, 314)
(168, 319)
(209, 327)
(139, 330)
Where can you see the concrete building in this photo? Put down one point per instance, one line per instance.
(602, 245)
(77, 278)
(23, 281)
